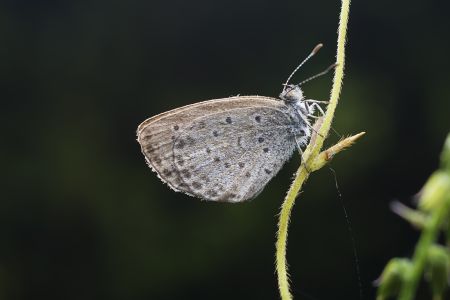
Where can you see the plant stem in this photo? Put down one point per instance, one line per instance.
(337, 80)
(311, 153)
(428, 237)
(283, 223)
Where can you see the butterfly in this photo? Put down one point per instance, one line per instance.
(228, 149)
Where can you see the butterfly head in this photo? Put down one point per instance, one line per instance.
(292, 93)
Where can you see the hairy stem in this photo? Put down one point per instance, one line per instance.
(310, 155)
(428, 237)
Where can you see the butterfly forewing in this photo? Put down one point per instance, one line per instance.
(219, 150)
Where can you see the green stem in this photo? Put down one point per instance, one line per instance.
(428, 237)
(337, 81)
(283, 223)
(311, 153)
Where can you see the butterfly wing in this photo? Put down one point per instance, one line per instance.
(219, 150)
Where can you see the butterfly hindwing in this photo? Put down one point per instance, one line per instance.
(219, 150)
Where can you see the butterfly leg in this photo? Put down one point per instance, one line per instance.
(309, 125)
(315, 101)
(314, 104)
(299, 147)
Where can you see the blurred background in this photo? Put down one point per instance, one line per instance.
(81, 215)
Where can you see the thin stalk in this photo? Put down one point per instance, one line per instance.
(311, 153)
(427, 238)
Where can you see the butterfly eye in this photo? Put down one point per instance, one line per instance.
(290, 88)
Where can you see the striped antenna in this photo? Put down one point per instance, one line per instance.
(315, 50)
(320, 74)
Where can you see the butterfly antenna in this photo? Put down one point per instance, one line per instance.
(320, 74)
(315, 50)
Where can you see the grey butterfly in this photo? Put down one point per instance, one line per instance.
(228, 149)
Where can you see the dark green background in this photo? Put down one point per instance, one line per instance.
(81, 215)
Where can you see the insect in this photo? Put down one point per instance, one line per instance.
(228, 149)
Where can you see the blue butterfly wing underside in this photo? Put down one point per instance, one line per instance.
(219, 150)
